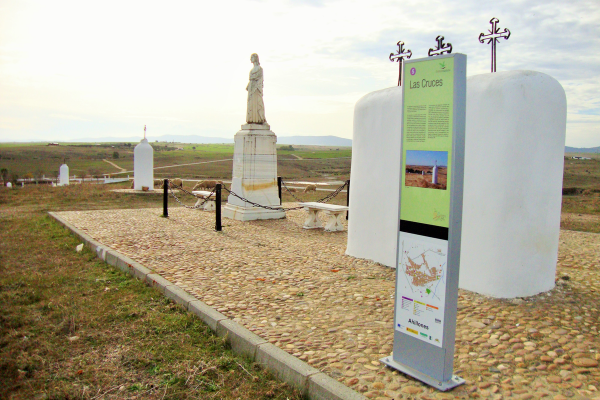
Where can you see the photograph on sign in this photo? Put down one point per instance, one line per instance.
(421, 287)
(426, 169)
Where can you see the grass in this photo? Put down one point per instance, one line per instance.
(73, 327)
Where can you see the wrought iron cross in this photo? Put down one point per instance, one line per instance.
(399, 57)
(441, 47)
(493, 39)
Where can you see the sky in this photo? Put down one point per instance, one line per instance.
(77, 69)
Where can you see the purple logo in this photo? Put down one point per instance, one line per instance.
(413, 71)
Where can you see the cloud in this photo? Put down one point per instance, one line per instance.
(184, 67)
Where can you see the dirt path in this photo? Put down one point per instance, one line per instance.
(115, 165)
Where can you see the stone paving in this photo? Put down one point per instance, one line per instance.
(299, 290)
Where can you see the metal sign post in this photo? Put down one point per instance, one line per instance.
(430, 209)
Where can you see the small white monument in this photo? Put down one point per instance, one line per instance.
(143, 165)
(9, 185)
(254, 175)
(63, 179)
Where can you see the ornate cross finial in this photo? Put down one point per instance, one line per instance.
(441, 47)
(399, 57)
(493, 39)
(144, 131)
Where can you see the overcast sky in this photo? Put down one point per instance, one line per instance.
(73, 69)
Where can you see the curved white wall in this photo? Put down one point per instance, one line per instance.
(374, 176)
(63, 173)
(514, 154)
(143, 165)
(515, 136)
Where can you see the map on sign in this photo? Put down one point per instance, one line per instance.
(421, 287)
(423, 267)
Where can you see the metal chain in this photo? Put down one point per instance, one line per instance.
(290, 192)
(323, 200)
(260, 205)
(332, 194)
(195, 207)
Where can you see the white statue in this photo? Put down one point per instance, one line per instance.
(256, 106)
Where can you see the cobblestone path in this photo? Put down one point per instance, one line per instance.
(299, 290)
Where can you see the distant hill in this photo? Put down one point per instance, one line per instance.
(582, 149)
(164, 138)
(297, 140)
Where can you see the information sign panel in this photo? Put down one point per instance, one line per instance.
(433, 125)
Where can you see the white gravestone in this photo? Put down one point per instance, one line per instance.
(63, 175)
(254, 175)
(515, 133)
(143, 165)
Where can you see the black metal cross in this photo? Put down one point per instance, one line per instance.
(441, 47)
(399, 57)
(493, 39)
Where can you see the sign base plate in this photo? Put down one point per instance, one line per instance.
(442, 386)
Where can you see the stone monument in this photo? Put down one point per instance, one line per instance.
(254, 175)
(143, 165)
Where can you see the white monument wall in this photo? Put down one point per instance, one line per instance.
(515, 136)
(374, 180)
(515, 144)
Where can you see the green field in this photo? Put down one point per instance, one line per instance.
(84, 159)
(213, 161)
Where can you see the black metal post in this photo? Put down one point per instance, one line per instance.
(218, 226)
(347, 198)
(279, 188)
(166, 198)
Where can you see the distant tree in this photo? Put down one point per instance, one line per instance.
(116, 155)
(193, 147)
(4, 173)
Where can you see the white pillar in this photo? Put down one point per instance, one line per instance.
(254, 175)
(64, 175)
(143, 166)
(434, 174)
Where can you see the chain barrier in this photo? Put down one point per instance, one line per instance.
(324, 199)
(195, 207)
(206, 198)
(260, 205)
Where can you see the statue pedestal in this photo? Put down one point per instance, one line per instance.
(254, 175)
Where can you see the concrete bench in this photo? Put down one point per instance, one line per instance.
(202, 194)
(333, 212)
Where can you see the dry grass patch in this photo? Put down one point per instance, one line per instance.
(71, 326)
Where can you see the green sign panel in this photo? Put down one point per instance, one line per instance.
(427, 141)
(429, 235)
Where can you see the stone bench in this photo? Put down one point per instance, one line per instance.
(202, 194)
(333, 212)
